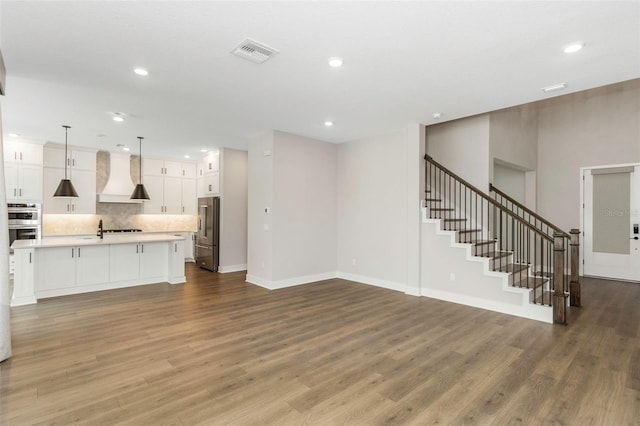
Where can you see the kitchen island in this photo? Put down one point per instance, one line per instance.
(57, 266)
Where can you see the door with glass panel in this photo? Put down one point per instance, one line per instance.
(611, 218)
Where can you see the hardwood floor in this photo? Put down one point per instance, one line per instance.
(220, 351)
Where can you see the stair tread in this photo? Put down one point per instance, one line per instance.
(467, 231)
(496, 254)
(441, 209)
(512, 268)
(529, 282)
(455, 220)
(545, 298)
(483, 242)
(433, 200)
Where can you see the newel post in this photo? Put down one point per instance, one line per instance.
(559, 296)
(574, 285)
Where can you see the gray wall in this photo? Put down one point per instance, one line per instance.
(233, 229)
(591, 128)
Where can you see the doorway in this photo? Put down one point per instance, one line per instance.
(611, 222)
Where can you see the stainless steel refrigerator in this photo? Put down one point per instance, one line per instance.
(208, 235)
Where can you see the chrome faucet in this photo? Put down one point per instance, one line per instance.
(100, 231)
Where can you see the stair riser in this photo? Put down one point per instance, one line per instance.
(469, 237)
(454, 226)
(500, 262)
(435, 214)
(484, 248)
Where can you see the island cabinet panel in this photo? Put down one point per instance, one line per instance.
(24, 278)
(176, 260)
(92, 265)
(140, 261)
(66, 267)
(57, 268)
(153, 260)
(124, 262)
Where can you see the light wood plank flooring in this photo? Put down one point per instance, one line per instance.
(220, 351)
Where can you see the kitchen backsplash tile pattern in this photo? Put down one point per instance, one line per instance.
(115, 216)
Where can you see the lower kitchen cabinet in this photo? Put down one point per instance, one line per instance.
(138, 261)
(24, 278)
(65, 267)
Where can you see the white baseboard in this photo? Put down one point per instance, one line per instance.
(232, 268)
(23, 300)
(377, 282)
(289, 282)
(534, 312)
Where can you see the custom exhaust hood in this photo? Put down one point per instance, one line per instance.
(119, 184)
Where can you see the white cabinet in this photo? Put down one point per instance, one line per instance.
(24, 278)
(23, 172)
(20, 152)
(23, 182)
(139, 261)
(176, 260)
(83, 181)
(65, 267)
(171, 187)
(189, 196)
(188, 245)
(77, 158)
(81, 170)
(209, 175)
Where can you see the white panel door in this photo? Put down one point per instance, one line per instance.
(155, 188)
(173, 195)
(92, 265)
(124, 263)
(85, 184)
(154, 259)
(189, 197)
(611, 218)
(51, 204)
(30, 178)
(57, 268)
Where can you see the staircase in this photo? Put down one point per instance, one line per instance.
(528, 252)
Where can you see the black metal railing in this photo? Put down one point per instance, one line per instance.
(514, 244)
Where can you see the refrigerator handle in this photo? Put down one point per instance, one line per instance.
(203, 217)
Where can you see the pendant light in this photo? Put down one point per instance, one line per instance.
(139, 193)
(65, 187)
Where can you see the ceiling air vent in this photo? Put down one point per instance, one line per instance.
(254, 51)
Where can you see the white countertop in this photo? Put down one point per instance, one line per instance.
(122, 238)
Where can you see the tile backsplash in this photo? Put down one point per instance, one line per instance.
(87, 224)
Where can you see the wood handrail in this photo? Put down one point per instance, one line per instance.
(489, 199)
(528, 210)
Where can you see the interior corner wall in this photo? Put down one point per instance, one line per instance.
(304, 229)
(260, 196)
(233, 229)
(462, 146)
(513, 136)
(592, 128)
(372, 204)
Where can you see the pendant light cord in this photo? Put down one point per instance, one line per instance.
(66, 158)
(140, 162)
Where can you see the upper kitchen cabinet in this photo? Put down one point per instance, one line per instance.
(81, 169)
(155, 167)
(23, 172)
(77, 158)
(171, 186)
(209, 174)
(210, 163)
(21, 152)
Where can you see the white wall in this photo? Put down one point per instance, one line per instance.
(260, 195)
(462, 146)
(510, 181)
(294, 178)
(233, 210)
(373, 210)
(592, 128)
(304, 208)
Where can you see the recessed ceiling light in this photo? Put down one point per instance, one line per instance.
(123, 147)
(204, 150)
(118, 119)
(554, 87)
(141, 71)
(328, 123)
(14, 135)
(437, 115)
(187, 156)
(573, 47)
(335, 62)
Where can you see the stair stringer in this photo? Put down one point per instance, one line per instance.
(474, 284)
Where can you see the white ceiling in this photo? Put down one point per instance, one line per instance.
(71, 62)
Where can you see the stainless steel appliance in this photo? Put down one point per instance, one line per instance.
(208, 235)
(25, 221)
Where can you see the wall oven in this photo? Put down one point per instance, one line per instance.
(25, 221)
